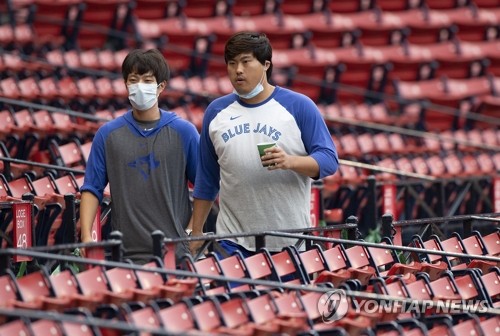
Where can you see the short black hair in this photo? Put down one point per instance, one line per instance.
(250, 42)
(143, 61)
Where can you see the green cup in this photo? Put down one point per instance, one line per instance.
(262, 146)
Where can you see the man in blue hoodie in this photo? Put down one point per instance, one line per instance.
(147, 156)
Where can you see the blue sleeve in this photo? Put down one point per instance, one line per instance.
(315, 134)
(191, 141)
(208, 173)
(96, 177)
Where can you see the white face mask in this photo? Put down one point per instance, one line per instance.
(142, 96)
(255, 91)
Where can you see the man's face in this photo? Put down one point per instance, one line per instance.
(134, 78)
(245, 72)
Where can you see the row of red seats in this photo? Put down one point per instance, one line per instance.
(121, 285)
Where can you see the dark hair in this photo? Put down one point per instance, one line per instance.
(141, 61)
(250, 42)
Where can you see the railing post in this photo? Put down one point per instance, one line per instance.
(116, 250)
(352, 233)
(158, 238)
(69, 219)
(260, 242)
(440, 194)
(387, 227)
(371, 213)
(467, 227)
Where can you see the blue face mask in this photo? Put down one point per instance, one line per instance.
(255, 91)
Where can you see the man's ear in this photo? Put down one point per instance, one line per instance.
(163, 86)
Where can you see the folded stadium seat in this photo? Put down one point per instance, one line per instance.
(87, 89)
(315, 268)
(387, 263)
(288, 305)
(35, 288)
(235, 316)
(317, 81)
(93, 281)
(491, 284)
(476, 31)
(68, 90)
(454, 244)
(267, 319)
(444, 113)
(104, 88)
(287, 266)
(233, 266)
(11, 170)
(420, 165)
(395, 288)
(104, 24)
(17, 30)
(485, 163)
(409, 95)
(10, 298)
(9, 88)
(89, 59)
(349, 145)
(496, 160)
(244, 8)
(67, 155)
(16, 327)
(382, 35)
(206, 8)
(366, 145)
(468, 285)
(353, 6)
(359, 264)
(489, 325)
(397, 5)
(119, 87)
(142, 317)
(206, 266)
(325, 35)
(55, 23)
(432, 264)
(178, 319)
(469, 326)
(195, 114)
(124, 280)
(260, 267)
(445, 4)
(336, 266)
(388, 163)
(110, 60)
(297, 7)
(487, 106)
(350, 324)
(65, 124)
(453, 165)
(492, 243)
(172, 288)
(486, 3)
(471, 166)
(461, 66)
(442, 289)
(422, 33)
(40, 327)
(205, 315)
(13, 61)
(436, 166)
